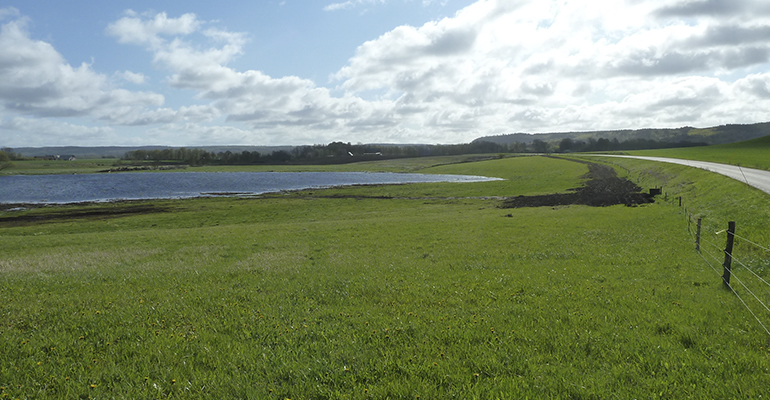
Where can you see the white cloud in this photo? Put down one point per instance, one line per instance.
(133, 77)
(192, 134)
(36, 80)
(495, 66)
(755, 85)
(349, 4)
(553, 66)
(251, 98)
(133, 29)
(44, 132)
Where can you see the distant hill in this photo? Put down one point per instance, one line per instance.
(716, 135)
(762, 143)
(119, 151)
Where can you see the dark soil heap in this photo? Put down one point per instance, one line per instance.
(603, 188)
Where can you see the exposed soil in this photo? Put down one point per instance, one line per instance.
(108, 211)
(603, 188)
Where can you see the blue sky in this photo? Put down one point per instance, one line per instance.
(186, 73)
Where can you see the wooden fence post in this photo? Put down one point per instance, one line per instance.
(728, 253)
(697, 235)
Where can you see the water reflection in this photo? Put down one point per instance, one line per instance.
(161, 185)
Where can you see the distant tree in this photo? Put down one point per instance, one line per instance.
(280, 156)
(339, 148)
(11, 154)
(5, 161)
(517, 147)
(566, 145)
(603, 144)
(539, 146)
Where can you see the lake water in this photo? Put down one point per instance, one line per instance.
(164, 185)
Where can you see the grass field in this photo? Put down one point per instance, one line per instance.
(38, 167)
(407, 291)
(88, 166)
(751, 153)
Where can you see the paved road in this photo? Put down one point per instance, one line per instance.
(757, 178)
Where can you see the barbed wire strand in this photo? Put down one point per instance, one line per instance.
(712, 244)
(732, 257)
(708, 262)
(755, 244)
(736, 293)
(749, 269)
(706, 241)
(739, 281)
(749, 290)
(747, 307)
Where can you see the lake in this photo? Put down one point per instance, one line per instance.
(166, 185)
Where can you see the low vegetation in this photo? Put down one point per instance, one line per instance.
(406, 291)
(42, 167)
(751, 153)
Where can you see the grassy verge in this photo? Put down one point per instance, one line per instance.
(713, 197)
(751, 153)
(345, 293)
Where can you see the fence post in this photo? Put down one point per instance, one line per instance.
(728, 253)
(680, 201)
(697, 235)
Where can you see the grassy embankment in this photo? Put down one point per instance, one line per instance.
(89, 166)
(435, 293)
(751, 153)
(707, 196)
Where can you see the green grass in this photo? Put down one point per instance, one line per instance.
(435, 293)
(40, 167)
(751, 153)
(86, 166)
(714, 198)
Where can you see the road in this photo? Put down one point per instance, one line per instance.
(757, 178)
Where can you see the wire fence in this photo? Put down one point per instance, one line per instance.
(742, 263)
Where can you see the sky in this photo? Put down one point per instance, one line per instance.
(289, 72)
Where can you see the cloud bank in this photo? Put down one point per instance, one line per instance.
(494, 67)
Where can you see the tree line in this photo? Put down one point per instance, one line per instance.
(602, 144)
(340, 152)
(334, 152)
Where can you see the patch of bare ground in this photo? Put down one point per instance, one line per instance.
(86, 212)
(603, 188)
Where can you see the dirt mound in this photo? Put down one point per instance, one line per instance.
(603, 188)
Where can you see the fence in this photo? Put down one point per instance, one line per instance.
(751, 289)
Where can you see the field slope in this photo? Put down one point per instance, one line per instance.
(403, 292)
(753, 153)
